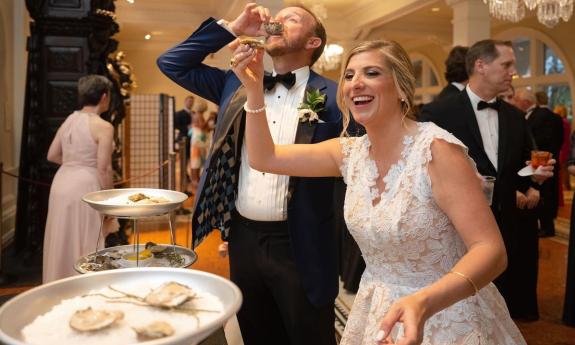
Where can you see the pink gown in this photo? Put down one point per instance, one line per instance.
(72, 225)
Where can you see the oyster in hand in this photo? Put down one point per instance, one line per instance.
(89, 319)
(155, 330)
(274, 28)
(252, 42)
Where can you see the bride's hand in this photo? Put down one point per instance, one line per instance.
(247, 64)
(410, 311)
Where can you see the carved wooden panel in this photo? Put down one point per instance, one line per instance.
(67, 8)
(65, 56)
(62, 98)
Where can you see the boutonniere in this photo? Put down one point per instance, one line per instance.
(313, 104)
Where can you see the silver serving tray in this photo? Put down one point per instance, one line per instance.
(24, 308)
(100, 201)
(188, 255)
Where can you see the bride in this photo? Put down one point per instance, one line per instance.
(414, 204)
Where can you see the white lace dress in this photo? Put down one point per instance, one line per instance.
(408, 243)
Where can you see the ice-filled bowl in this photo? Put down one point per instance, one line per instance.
(24, 308)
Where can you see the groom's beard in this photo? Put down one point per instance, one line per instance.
(288, 46)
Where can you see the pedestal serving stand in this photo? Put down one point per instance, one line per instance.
(115, 203)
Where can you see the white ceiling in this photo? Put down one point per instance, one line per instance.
(170, 21)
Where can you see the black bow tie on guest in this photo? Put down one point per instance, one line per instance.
(287, 80)
(493, 105)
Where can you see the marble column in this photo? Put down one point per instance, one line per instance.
(471, 21)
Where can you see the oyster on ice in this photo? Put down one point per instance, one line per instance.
(87, 320)
(169, 295)
(155, 330)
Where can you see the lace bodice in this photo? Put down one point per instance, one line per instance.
(402, 236)
(408, 243)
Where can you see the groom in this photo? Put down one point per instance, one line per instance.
(280, 229)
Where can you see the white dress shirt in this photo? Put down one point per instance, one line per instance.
(460, 86)
(263, 196)
(488, 126)
(529, 111)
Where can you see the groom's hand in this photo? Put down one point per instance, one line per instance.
(249, 22)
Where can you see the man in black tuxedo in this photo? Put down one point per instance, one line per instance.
(498, 140)
(455, 72)
(547, 129)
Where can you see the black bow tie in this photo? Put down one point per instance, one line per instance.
(287, 80)
(493, 105)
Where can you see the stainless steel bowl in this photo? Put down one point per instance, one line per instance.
(24, 308)
(188, 256)
(100, 201)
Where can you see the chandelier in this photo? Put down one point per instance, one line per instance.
(330, 59)
(332, 53)
(549, 12)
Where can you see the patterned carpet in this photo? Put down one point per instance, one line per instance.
(343, 304)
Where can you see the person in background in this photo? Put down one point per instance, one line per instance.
(508, 95)
(211, 126)
(564, 182)
(455, 72)
(413, 203)
(500, 143)
(547, 130)
(182, 122)
(199, 143)
(281, 229)
(569, 304)
(83, 148)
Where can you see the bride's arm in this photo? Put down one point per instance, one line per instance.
(457, 190)
(312, 160)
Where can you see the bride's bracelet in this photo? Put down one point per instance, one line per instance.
(468, 279)
(254, 111)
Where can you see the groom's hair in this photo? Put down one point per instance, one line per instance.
(317, 31)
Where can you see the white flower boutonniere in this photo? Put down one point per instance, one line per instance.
(311, 106)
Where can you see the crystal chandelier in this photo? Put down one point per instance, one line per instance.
(330, 59)
(332, 53)
(549, 12)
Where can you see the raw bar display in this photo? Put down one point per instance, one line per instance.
(124, 314)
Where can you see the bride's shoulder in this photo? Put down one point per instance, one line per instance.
(431, 132)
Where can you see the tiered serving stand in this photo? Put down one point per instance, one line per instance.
(109, 203)
(24, 308)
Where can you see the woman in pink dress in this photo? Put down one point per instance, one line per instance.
(83, 148)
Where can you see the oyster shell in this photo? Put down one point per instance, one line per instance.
(169, 295)
(274, 28)
(87, 320)
(155, 330)
(137, 197)
(252, 42)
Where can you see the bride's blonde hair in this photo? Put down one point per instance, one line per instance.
(398, 62)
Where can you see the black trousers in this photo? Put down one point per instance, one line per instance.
(275, 307)
(548, 205)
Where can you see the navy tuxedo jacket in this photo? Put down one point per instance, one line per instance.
(310, 206)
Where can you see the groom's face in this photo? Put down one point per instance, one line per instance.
(298, 25)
